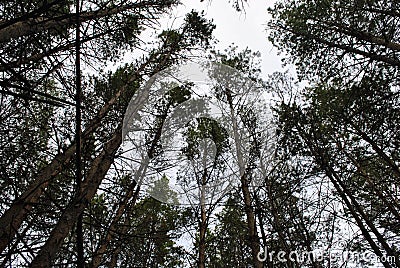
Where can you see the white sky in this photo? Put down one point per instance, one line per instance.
(244, 29)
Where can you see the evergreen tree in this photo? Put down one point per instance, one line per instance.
(229, 243)
(37, 227)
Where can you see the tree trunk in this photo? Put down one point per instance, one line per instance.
(392, 203)
(96, 174)
(351, 203)
(251, 222)
(250, 216)
(377, 149)
(39, 24)
(123, 230)
(12, 219)
(202, 223)
(138, 177)
(258, 212)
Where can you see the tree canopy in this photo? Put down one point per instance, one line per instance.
(124, 149)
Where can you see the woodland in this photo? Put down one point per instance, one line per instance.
(312, 170)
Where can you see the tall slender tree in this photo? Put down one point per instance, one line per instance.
(100, 135)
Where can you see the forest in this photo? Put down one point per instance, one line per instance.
(121, 149)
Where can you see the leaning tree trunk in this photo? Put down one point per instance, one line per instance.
(96, 174)
(354, 207)
(131, 194)
(244, 181)
(12, 219)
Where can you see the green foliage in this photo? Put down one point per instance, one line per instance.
(345, 124)
(24, 141)
(228, 242)
(98, 207)
(196, 31)
(161, 189)
(107, 85)
(179, 94)
(151, 240)
(246, 61)
(343, 128)
(328, 39)
(40, 56)
(201, 29)
(205, 128)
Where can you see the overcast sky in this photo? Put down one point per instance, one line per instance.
(244, 29)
